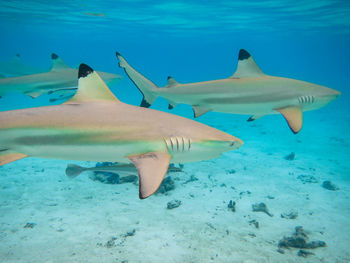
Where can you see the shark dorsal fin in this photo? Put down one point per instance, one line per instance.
(171, 82)
(91, 87)
(57, 63)
(246, 67)
(17, 57)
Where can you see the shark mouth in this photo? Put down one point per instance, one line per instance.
(178, 144)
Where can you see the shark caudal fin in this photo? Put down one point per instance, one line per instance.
(8, 156)
(91, 87)
(146, 87)
(74, 170)
(246, 67)
(57, 63)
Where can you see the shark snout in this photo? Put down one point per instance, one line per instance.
(236, 143)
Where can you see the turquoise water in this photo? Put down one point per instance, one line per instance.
(191, 41)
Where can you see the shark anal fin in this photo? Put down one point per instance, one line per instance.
(254, 117)
(199, 111)
(294, 117)
(152, 168)
(7, 156)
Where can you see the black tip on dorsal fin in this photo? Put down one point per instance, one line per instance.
(84, 70)
(54, 56)
(18, 55)
(170, 77)
(243, 54)
(117, 54)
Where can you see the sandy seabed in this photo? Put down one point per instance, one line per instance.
(81, 220)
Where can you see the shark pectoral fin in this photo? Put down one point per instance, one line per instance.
(199, 111)
(7, 156)
(91, 87)
(254, 117)
(74, 170)
(34, 94)
(152, 168)
(294, 117)
(246, 67)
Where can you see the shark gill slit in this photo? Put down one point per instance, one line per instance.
(180, 144)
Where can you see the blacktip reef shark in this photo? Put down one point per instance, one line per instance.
(74, 170)
(95, 126)
(15, 67)
(247, 91)
(60, 78)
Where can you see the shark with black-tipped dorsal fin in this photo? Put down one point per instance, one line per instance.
(15, 67)
(61, 78)
(248, 91)
(95, 126)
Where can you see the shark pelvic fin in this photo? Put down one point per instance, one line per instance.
(152, 168)
(254, 117)
(57, 63)
(7, 156)
(74, 170)
(246, 67)
(91, 87)
(34, 94)
(199, 111)
(294, 118)
(171, 82)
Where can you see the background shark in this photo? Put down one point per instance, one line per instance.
(95, 126)
(60, 78)
(247, 91)
(74, 170)
(15, 67)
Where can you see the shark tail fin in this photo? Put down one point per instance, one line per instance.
(146, 87)
(8, 156)
(74, 170)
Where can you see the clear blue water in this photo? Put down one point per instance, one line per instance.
(194, 41)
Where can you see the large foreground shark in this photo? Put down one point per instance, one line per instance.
(95, 126)
(60, 78)
(247, 91)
